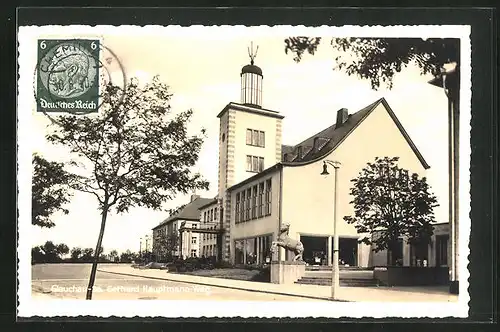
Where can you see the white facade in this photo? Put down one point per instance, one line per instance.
(209, 219)
(300, 195)
(190, 241)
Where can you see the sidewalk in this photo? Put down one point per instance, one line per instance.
(350, 294)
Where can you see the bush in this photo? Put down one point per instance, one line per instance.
(223, 265)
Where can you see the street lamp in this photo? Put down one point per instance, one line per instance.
(140, 246)
(448, 80)
(335, 267)
(147, 248)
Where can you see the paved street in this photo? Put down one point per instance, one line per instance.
(69, 281)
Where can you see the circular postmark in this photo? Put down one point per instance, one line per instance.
(72, 76)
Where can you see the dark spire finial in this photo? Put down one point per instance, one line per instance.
(251, 54)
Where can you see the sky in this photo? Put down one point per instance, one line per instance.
(203, 72)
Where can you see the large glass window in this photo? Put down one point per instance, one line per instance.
(418, 254)
(251, 254)
(249, 203)
(268, 197)
(238, 251)
(442, 250)
(243, 208)
(254, 202)
(237, 209)
(261, 200)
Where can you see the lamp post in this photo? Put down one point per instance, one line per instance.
(140, 247)
(335, 267)
(448, 80)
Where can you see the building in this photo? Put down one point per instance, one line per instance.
(188, 216)
(263, 183)
(209, 219)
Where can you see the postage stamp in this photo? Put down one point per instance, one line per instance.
(68, 75)
(231, 171)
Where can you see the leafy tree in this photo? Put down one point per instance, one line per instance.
(37, 255)
(135, 152)
(48, 252)
(76, 254)
(389, 203)
(113, 255)
(62, 249)
(379, 59)
(49, 191)
(127, 256)
(87, 255)
(167, 244)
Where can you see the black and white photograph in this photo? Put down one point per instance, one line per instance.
(232, 171)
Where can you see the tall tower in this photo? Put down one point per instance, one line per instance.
(249, 142)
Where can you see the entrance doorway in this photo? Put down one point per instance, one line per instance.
(348, 252)
(315, 249)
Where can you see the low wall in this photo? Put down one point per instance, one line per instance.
(287, 272)
(411, 276)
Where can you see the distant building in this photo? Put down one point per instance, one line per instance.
(170, 227)
(209, 219)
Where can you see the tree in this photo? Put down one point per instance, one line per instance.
(37, 255)
(133, 153)
(389, 203)
(62, 249)
(379, 59)
(48, 252)
(76, 254)
(87, 255)
(113, 255)
(167, 244)
(49, 191)
(127, 256)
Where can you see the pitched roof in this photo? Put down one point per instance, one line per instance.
(189, 212)
(331, 137)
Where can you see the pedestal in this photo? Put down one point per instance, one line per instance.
(454, 287)
(283, 272)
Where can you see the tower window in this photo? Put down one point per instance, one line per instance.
(255, 138)
(255, 164)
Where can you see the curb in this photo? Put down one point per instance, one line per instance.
(224, 286)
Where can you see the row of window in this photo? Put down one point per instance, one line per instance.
(256, 138)
(209, 250)
(253, 250)
(206, 237)
(210, 215)
(255, 164)
(254, 202)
